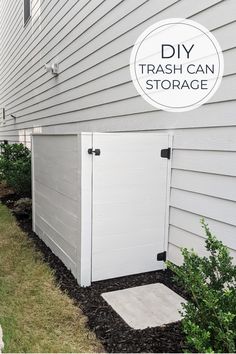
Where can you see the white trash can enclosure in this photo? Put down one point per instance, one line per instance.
(100, 201)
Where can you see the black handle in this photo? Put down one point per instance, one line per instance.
(96, 152)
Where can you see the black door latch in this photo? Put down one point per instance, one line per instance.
(96, 152)
(166, 153)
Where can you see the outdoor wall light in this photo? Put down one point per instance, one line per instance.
(52, 68)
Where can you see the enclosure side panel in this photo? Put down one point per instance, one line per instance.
(55, 195)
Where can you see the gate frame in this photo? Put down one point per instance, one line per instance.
(85, 141)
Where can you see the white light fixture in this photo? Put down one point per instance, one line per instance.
(52, 68)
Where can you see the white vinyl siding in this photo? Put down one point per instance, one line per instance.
(203, 184)
(92, 41)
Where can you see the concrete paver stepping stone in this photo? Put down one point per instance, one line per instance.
(146, 306)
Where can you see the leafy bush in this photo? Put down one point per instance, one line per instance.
(210, 317)
(15, 167)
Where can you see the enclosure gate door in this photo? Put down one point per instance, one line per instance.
(129, 203)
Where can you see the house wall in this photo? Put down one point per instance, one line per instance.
(92, 41)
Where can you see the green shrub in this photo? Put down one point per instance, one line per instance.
(210, 317)
(15, 167)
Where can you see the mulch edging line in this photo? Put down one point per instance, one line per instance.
(109, 327)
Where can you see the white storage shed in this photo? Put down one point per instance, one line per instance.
(101, 201)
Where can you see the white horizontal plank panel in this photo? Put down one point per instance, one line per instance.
(13, 135)
(57, 165)
(6, 8)
(11, 28)
(102, 103)
(56, 214)
(191, 222)
(69, 204)
(24, 42)
(207, 139)
(123, 238)
(221, 138)
(76, 87)
(26, 54)
(207, 4)
(57, 211)
(225, 35)
(182, 239)
(213, 185)
(29, 47)
(101, 87)
(119, 43)
(174, 254)
(46, 88)
(15, 14)
(227, 89)
(123, 36)
(64, 144)
(212, 17)
(56, 197)
(87, 28)
(129, 198)
(57, 250)
(86, 20)
(129, 257)
(209, 115)
(56, 235)
(9, 20)
(81, 48)
(40, 9)
(219, 162)
(107, 101)
(230, 61)
(66, 147)
(113, 72)
(64, 187)
(63, 168)
(205, 206)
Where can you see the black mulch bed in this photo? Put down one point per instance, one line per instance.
(112, 331)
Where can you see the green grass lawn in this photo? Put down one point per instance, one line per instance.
(34, 314)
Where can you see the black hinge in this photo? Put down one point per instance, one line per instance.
(161, 256)
(166, 153)
(96, 152)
